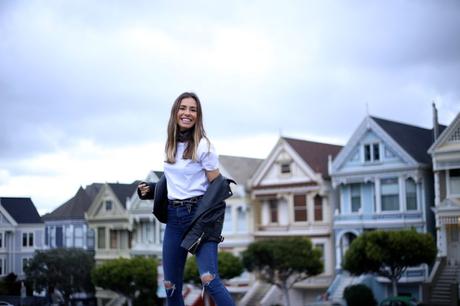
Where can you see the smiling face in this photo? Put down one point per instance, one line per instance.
(187, 114)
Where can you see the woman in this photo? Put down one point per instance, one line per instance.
(191, 164)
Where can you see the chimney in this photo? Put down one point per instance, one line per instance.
(435, 123)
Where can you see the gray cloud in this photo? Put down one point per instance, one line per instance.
(108, 71)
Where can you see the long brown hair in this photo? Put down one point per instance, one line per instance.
(197, 130)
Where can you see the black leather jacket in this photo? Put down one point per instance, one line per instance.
(208, 220)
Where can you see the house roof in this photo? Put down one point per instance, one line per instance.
(22, 210)
(413, 139)
(123, 191)
(75, 207)
(240, 169)
(315, 154)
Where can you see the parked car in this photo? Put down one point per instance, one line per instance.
(3, 303)
(399, 301)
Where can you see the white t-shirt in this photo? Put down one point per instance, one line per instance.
(187, 178)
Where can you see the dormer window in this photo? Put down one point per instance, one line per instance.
(285, 168)
(371, 152)
(108, 205)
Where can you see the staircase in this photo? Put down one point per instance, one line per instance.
(442, 292)
(344, 282)
(256, 295)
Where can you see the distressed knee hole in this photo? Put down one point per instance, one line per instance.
(206, 278)
(169, 286)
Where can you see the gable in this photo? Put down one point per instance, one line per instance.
(283, 155)
(106, 204)
(370, 148)
(449, 140)
(5, 219)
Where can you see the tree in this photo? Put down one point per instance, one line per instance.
(359, 295)
(68, 270)
(283, 262)
(134, 278)
(389, 254)
(230, 266)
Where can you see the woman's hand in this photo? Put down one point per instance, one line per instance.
(143, 188)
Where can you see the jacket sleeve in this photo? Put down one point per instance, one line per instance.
(150, 195)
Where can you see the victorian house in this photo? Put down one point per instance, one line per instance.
(446, 166)
(385, 182)
(292, 196)
(238, 226)
(66, 226)
(108, 216)
(21, 234)
(148, 232)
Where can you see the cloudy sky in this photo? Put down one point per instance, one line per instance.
(86, 86)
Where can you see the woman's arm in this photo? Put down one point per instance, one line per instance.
(211, 175)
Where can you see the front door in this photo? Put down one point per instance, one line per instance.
(453, 244)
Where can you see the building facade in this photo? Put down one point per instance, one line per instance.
(292, 196)
(384, 178)
(21, 234)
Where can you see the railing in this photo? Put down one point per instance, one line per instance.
(379, 216)
(433, 278)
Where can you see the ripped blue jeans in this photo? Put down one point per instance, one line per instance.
(174, 257)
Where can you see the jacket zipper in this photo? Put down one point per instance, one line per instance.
(196, 243)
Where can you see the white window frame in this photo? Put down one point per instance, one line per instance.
(2, 240)
(29, 234)
(372, 152)
(416, 194)
(360, 198)
(398, 194)
(448, 181)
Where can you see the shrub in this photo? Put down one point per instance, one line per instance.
(359, 295)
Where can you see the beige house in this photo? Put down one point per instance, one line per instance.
(292, 196)
(109, 218)
(446, 167)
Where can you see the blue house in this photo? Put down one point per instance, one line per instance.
(385, 182)
(66, 226)
(21, 233)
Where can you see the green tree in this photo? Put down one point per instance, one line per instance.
(359, 295)
(68, 270)
(134, 278)
(283, 262)
(230, 266)
(389, 253)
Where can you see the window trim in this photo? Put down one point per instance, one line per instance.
(398, 195)
(300, 207)
(359, 185)
(372, 152)
(29, 236)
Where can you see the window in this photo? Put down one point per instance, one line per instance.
(90, 238)
(300, 208)
(2, 266)
(390, 194)
(1, 240)
(411, 194)
(286, 168)
(25, 262)
(273, 206)
(228, 220)
(108, 205)
(355, 191)
(27, 239)
(241, 220)
(318, 208)
(372, 152)
(78, 237)
(101, 237)
(454, 181)
(69, 236)
(113, 239)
